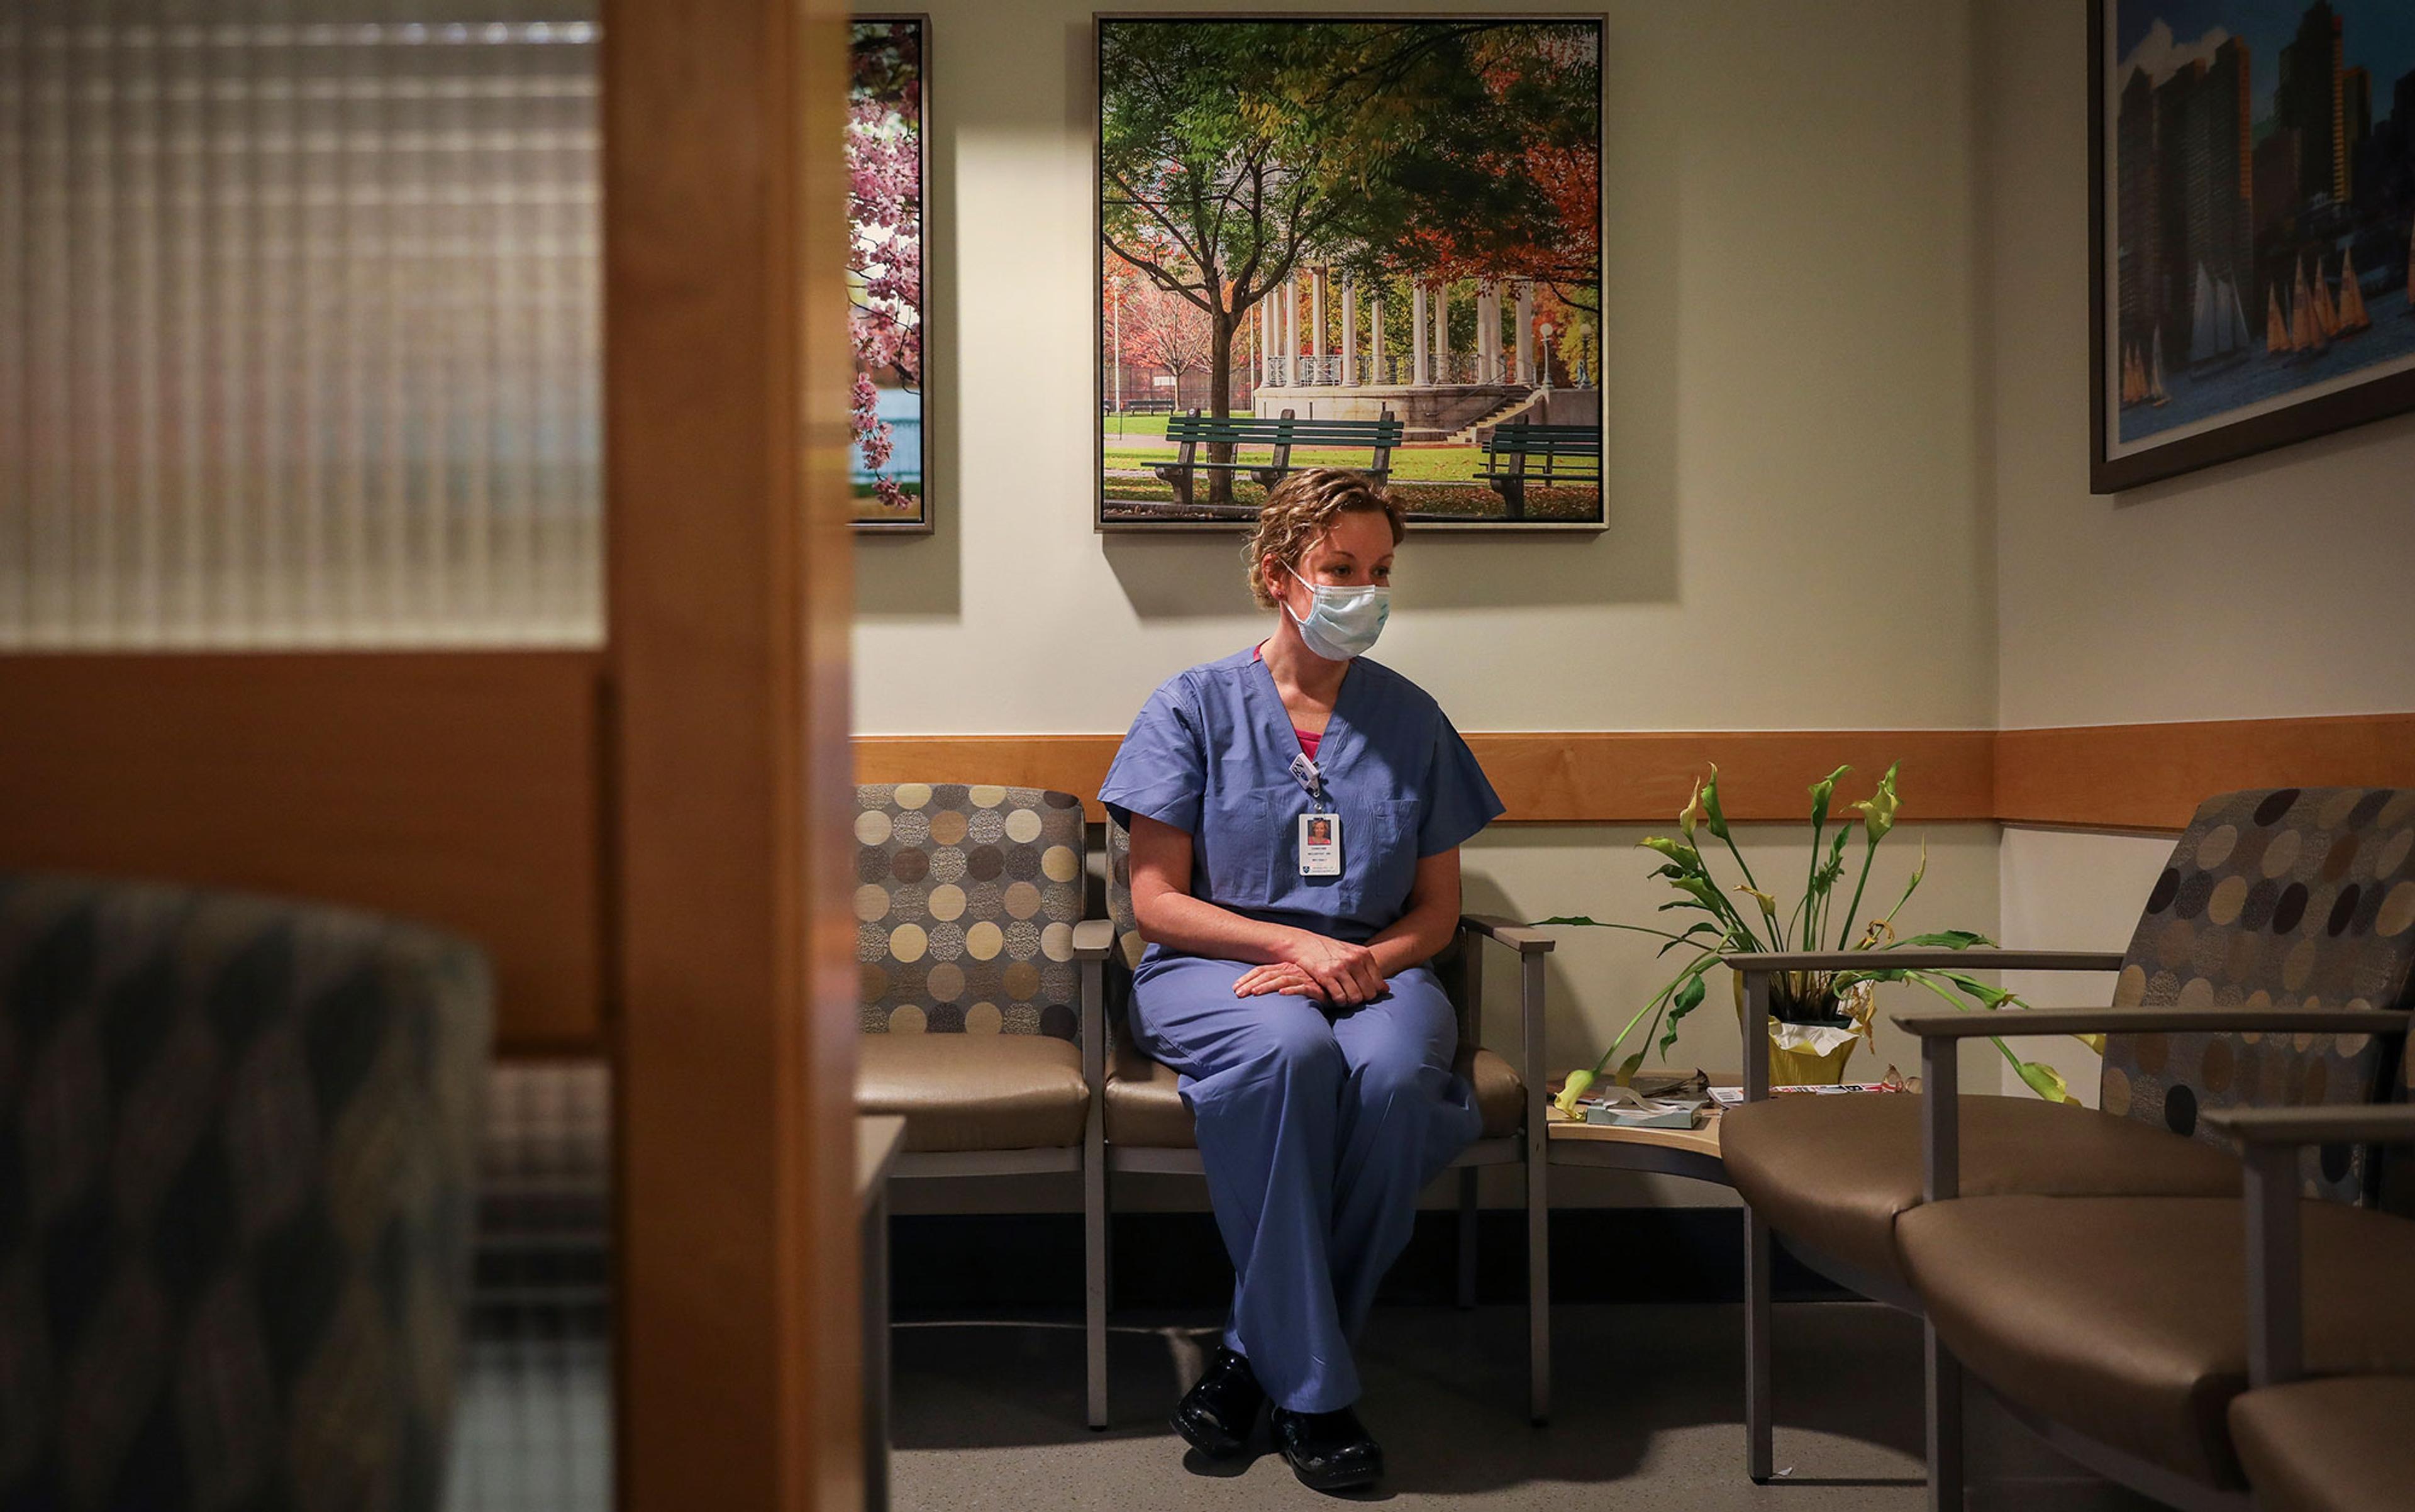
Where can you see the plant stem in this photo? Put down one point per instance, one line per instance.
(1869, 855)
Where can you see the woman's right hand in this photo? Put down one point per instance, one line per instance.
(1346, 972)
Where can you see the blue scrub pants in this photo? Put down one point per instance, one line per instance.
(1317, 1131)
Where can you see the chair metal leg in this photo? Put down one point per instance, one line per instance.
(1944, 1422)
(1759, 1432)
(1466, 1236)
(1094, 1264)
(1538, 1286)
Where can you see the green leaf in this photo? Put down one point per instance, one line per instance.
(1677, 851)
(1947, 939)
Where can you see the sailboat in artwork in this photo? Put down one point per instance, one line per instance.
(2352, 317)
(2326, 313)
(2277, 326)
(2216, 326)
(2305, 335)
(2156, 393)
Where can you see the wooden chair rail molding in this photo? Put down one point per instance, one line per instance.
(2110, 776)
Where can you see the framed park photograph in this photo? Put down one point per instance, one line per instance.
(1345, 240)
(887, 296)
(2252, 220)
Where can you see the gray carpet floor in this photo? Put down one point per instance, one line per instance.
(1646, 1414)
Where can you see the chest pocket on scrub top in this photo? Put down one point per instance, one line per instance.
(1379, 858)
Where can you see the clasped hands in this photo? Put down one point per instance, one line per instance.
(1330, 971)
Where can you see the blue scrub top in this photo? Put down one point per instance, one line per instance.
(1211, 751)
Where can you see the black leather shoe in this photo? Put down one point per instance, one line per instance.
(1328, 1451)
(1217, 1415)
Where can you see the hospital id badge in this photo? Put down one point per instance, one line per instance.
(1320, 845)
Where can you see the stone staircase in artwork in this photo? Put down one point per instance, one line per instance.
(1509, 408)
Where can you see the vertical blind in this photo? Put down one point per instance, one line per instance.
(299, 337)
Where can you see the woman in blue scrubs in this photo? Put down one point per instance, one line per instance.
(1295, 814)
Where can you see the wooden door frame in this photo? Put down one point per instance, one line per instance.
(725, 378)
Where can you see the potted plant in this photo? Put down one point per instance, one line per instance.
(1815, 1016)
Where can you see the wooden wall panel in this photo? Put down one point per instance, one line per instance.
(1591, 777)
(460, 788)
(2153, 776)
(728, 372)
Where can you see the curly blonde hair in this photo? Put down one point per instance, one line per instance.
(1301, 509)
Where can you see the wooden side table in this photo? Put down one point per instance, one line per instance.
(878, 1137)
(1677, 1152)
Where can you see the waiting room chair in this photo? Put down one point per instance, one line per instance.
(1149, 1127)
(2308, 1444)
(979, 995)
(237, 1152)
(2112, 1323)
(2268, 908)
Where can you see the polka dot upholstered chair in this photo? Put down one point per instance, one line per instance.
(2273, 902)
(1148, 1125)
(236, 1147)
(981, 995)
(2273, 898)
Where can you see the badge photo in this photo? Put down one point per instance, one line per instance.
(1320, 845)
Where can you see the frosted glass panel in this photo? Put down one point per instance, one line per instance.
(299, 332)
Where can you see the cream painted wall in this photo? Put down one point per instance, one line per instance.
(1795, 539)
(2267, 588)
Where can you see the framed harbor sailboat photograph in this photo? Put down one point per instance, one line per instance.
(2252, 215)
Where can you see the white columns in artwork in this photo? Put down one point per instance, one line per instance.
(1375, 335)
(1420, 338)
(1316, 324)
(1349, 332)
(1525, 373)
(1484, 307)
(1291, 333)
(1441, 332)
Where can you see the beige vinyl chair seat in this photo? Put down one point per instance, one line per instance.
(1836, 1174)
(2125, 1316)
(2346, 1444)
(962, 1092)
(1145, 1104)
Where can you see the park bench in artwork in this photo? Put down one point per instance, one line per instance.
(1569, 457)
(1192, 432)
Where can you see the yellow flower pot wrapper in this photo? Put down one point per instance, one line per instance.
(1815, 1016)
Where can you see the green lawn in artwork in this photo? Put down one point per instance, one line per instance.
(1420, 464)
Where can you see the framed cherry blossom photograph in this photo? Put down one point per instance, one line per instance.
(886, 158)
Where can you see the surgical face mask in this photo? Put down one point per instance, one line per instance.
(1344, 622)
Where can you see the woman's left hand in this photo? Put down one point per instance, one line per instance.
(1279, 976)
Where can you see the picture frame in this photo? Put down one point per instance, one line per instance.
(2249, 275)
(891, 448)
(1503, 311)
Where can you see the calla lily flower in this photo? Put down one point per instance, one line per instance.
(1577, 1084)
(1692, 814)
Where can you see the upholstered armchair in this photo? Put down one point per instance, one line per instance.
(2253, 978)
(1149, 1127)
(236, 1155)
(979, 995)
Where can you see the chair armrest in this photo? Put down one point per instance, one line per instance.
(1518, 937)
(2268, 1140)
(2354, 1124)
(1948, 1024)
(1941, 1034)
(1093, 939)
(1977, 958)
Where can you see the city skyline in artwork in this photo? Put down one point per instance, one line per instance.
(2260, 179)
